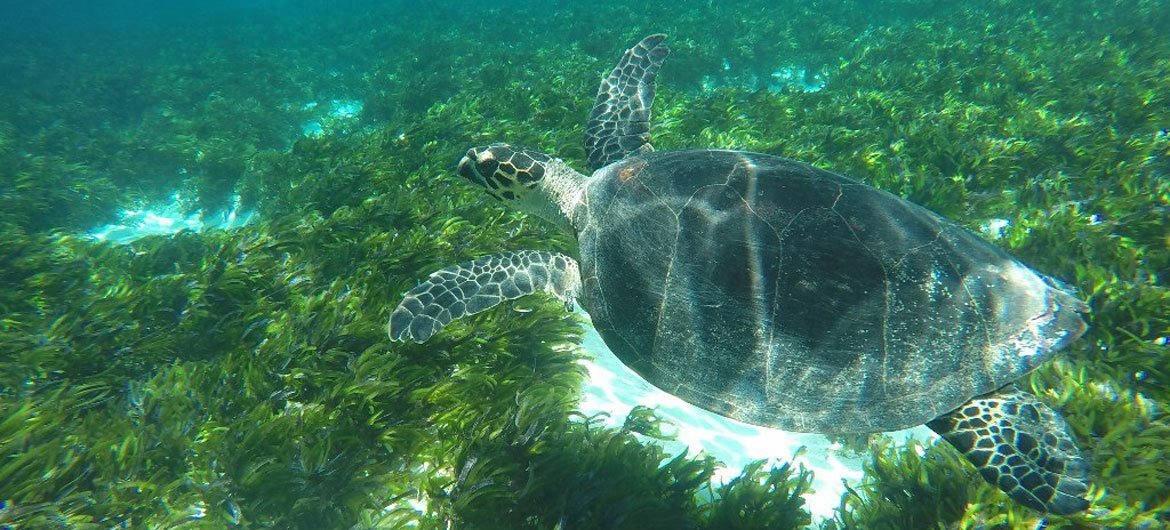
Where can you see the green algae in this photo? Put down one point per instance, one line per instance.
(243, 378)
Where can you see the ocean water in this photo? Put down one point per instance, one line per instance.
(209, 212)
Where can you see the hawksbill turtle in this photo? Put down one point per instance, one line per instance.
(778, 293)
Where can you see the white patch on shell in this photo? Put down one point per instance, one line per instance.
(1036, 337)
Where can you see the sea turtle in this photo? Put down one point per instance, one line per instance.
(780, 294)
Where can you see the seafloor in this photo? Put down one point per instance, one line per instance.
(237, 374)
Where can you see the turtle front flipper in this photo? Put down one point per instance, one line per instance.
(1021, 446)
(475, 286)
(619, 123)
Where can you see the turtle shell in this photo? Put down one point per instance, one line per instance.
(782, 295)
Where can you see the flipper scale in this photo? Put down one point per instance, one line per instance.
(619, 124)
(1021, 446)
(479, 285)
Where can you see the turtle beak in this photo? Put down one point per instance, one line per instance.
(467, 167)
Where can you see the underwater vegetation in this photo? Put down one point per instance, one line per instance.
(243, 378)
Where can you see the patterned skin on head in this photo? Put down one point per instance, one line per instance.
(505, 172)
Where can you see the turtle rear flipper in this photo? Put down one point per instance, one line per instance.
(619, 123)
(475, 286)
(1021, 446)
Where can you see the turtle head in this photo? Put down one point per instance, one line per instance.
(528, 180)
(507, 173)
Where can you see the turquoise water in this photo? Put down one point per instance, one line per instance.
(208, 213)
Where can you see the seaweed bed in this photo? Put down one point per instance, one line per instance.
(242, 378)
